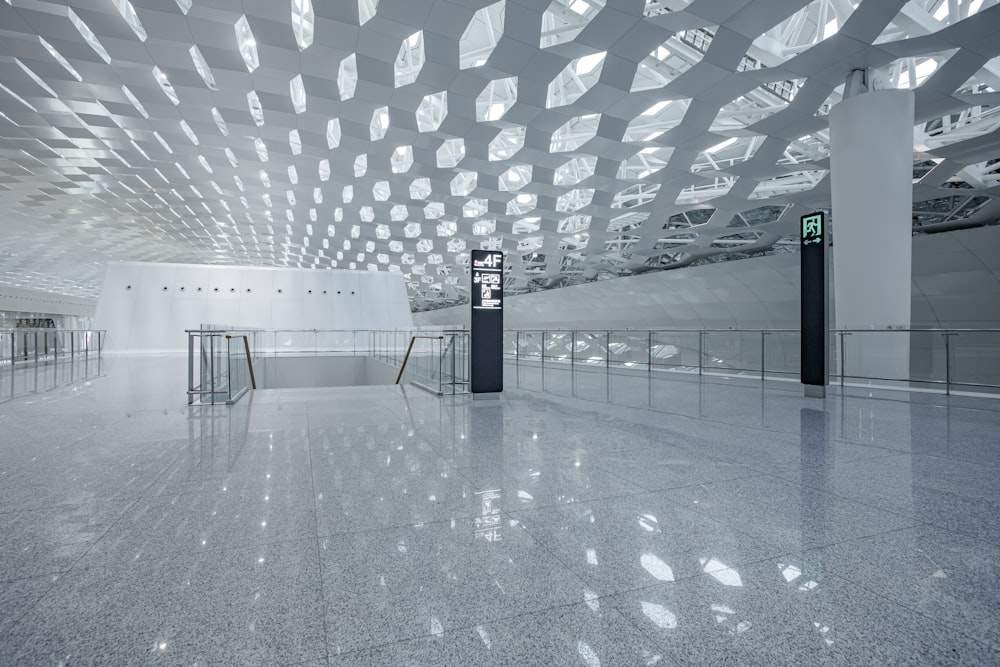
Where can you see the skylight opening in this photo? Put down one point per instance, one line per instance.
(297, 93)
(231, 157)
(366, 10)
(261, 149)
(420, 188)
(431, 111)
(127, 11)
(565, 19)
(464, 183)
(515, 178)
(360, 165)
(333, 133)
(574, 133)
(347, 77)
(189, 132)
(347, 194)
(447, 228)
(201, 66)
(59, 59)
(507, 143)
(496, 99)
(450, 153)
(481, 36)
(522, 203)
(246, 43)
(163, 142)
(293, 175)
(165, 85)
(264, 178)
(184, 5)
(88, 36)
(575, 171)
(398, 213)
(294, 142)
(401, 159)
(204, 164)
(303, 23)
(575, 80)
(220, 122)
(324, 170)
(410, 59)
(379, 124)
(433, 210)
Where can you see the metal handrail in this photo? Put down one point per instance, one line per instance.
(246, 346)
(539, 345)
(410, 349)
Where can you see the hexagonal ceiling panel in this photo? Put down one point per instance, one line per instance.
(588, 139)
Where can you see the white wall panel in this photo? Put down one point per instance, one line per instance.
(140, 315)
(956, 283)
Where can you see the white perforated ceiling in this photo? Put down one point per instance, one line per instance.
(588, 139)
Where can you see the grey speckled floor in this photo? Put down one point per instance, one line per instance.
(636, 523)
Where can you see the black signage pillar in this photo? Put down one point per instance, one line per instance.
(486, 344)
(814, 373)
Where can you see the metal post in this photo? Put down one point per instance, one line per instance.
(72, 344)
(701, 350)
(190, 368)
(762, 334)
(947, 363)
(607, 365)
(36, 347)
(843, 358)
(649, 354)
(572, 363)
(211, 365)
(545, 336)
(517, 357)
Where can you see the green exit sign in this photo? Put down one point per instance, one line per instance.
(812, 229)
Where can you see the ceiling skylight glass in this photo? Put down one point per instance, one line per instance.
(347, 77)
(507, 142)
(481, 36)
(127, 11)
(256, 110)
(431, 111)
(496, 99)
(303, 23)
(246, 43)
(88, 36)
(410, 59)
(297, 91)
(59, 59)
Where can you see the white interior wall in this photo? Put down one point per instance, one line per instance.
(955, 283)
(146, 306)
(19, 300)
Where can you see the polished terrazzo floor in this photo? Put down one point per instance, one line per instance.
(704, 522)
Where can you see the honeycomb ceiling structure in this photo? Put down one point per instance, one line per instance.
(587, 139)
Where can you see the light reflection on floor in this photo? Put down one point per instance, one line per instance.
(696, 523)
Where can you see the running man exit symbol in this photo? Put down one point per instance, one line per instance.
(812, 229)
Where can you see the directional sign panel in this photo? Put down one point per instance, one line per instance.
(486, 345)
(815, 325)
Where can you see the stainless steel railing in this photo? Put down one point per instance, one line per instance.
(936, 359)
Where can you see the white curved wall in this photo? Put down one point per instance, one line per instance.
(955, 283)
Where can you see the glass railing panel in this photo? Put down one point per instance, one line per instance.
(629, 349)
(782, 353)
(877, 357)
(975, 358)
(675, 350)
(731, 351)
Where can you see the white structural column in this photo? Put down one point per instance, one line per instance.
(871, 158)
